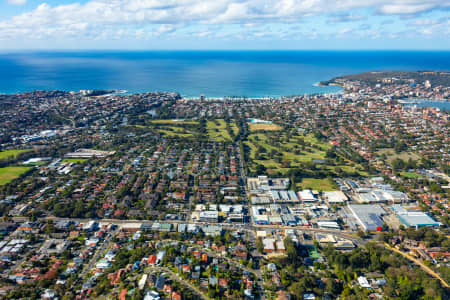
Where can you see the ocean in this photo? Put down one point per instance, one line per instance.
(443, 105)
(192, 73)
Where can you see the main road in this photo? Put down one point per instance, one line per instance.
(92, 261)
(179, 280)
(420, 264)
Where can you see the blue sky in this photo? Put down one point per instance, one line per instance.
(225, 24)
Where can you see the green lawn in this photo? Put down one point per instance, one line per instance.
(174, 122)
(75, 160)
(391, 155)
(234, 128)
(411, 175)
(217, 130)
(8, 153)
(268, 127)
(292, 151)
(7, 174)
(287, 149)
(317, 184)
(175, 131)
(169, 130)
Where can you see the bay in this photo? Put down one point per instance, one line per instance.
(192, 73)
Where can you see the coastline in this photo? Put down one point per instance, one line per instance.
(322, 84)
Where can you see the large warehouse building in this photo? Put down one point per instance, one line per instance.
(413, 217)
(368, 215)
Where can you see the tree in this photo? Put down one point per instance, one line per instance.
(260, 169)
(292, 252)
(333, 287)
(259, 245)
(361, 234)
(297, 289)
(400, 146)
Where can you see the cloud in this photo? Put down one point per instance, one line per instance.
(346, 17)
(426, 31)
(424, 22)
(430, 22)
(17, 2)
(410, 9)
(150, 18)
(345, 30)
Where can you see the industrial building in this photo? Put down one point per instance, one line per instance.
(263, 184)
(307, 196)
(383, 196)
(338, 242)
(412, 217)
(368, 216)
(209, 216)
(328, 225)
(335, 197)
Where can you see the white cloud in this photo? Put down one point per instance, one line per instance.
(412, 8)
(345, 30)
(17, 2)
(148, 18)
(426, 31)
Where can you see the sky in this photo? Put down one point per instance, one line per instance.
(225, 24)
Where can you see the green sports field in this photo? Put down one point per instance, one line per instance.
(12, 153)
(7, 174)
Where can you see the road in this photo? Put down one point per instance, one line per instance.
(231, 261)
(257, 273)
(179, 280)
(17, 264)
(250, 227)
(339, 233)
(420, 264)
(99, 251)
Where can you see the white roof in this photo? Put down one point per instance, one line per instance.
(261, 218)
(269, 244)
(363, 282)
(335, 196)
(275, 219)
(280, 245)
(200, 207)
(306, 195)
(209, 214)
(261, 233)
(131, 225)
(330, 224)
(142, 281)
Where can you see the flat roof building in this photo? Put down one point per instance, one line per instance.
(334, 197)
(306, 196)
(368, 216)
(276, 220)
(209, 216)
(412, 217)
(328, 225)
(264, 184)
(261, 219)
(268, 245)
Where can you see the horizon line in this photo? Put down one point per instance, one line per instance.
(217, 50)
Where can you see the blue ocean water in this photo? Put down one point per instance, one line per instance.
(443, 105)
(213, 73)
